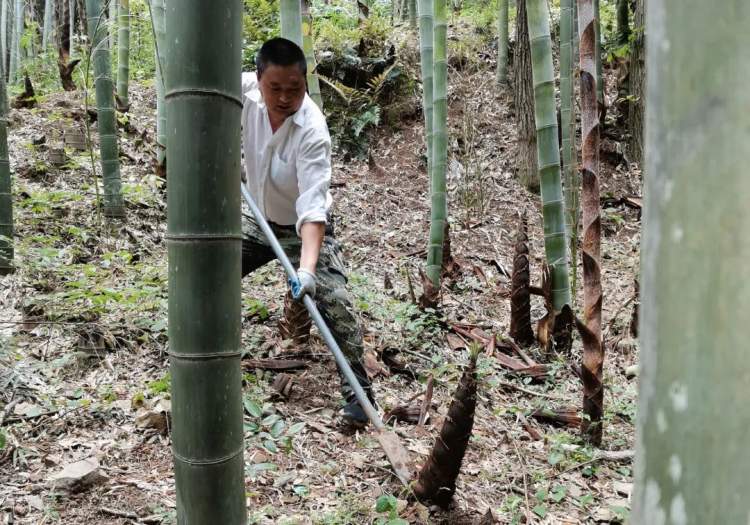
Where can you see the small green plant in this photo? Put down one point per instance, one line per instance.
(388, 504)
(270, 431)
(160, 385)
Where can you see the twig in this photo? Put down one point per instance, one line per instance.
(423, 411)
(603, 455)
(527, 391)
(517, 349)
(119, 513)
(6, 410)
(524, 474)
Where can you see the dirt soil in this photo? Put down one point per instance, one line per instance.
(83, 366)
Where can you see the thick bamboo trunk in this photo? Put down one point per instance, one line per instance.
(313, 85)
(157, 10)
(591, 329)
(548, 154)
(438, 198)
(413, 14)
(691, 444)
(4, 36)
(502, 42)
(523, 99)
(47, 27)
(426, 52)
(204, 244)
(567, 126)
(105, 104)
(291, 20)
(6, 193)
(123, 52)
(15, 46)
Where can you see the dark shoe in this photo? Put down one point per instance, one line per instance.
(353, 413)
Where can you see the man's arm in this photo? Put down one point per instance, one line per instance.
(312, 234)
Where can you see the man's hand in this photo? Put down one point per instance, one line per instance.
(303, 285)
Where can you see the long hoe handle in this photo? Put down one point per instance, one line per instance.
(388, 440)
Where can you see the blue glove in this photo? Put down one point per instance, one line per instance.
(303, 285)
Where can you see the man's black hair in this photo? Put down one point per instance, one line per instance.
(280, 52)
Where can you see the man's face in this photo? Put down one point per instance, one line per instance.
(283, 90)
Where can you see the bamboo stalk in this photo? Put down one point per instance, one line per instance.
(591, 329)
(313, 85)
(107, 122)
(4, 35)
(291, 20)
(426, 53)
(567, 125)
(204, 243)
(439, 204)
(123, 51)
(691, 446)
(160, 48)
(502, 42)
(6, 192)
(548, 154)
(413, 14)
(47, 27)
(598, 55)
(15, 48)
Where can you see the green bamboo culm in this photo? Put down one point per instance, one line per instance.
(313, 84)
(6, 193)
(204, 240)
(502, 42)
(105, 104)
(438, 198)
(15, 47)
(291, 20)
(567, 125)
(548, 153)
(160, 29)
(426, 49)
(4, 33)
(413, 14)
(691, 439)
(47, 27)
(123, 52)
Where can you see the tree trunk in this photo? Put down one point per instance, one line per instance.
(591, 328)
(691, 441)
(439, 203)
(523, 98)
(623, 22)
(502, 42)
(123, 53)
(204, 243)
(291, 20)
(160, 50)
(567, 126)
(6, 193)
(110, 162)
(637, 100)
(548, 153)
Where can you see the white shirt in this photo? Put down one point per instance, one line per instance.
(288, 172)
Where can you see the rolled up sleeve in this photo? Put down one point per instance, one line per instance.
(313, 178)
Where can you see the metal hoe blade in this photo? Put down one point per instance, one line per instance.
(391, 445)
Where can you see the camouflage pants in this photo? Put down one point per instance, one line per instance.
(331, 296)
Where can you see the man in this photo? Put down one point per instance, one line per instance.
(287, 151)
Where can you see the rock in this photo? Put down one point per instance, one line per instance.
(78, 476)
(36, 140)
(35, 502)
(156, 417)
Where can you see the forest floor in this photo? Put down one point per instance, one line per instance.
(83, 364)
